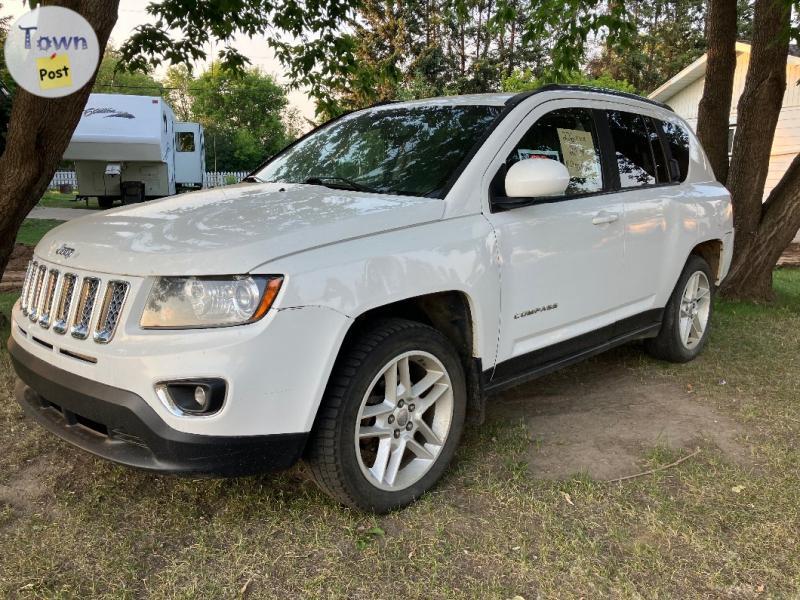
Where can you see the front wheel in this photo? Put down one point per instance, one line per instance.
(687, 316)
(391, 418)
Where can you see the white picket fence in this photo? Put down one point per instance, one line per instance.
(220, 178)
(62, 178)
(212, 178)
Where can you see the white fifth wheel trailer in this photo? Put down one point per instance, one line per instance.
(131, 148)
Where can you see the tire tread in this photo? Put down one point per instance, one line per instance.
(323, 456)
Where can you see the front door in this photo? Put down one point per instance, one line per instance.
(562, 259)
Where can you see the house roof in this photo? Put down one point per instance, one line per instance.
(697, 69)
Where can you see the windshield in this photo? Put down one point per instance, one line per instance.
(412, 151)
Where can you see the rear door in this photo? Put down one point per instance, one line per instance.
(646, 192)
(562, 258)
(189, 150)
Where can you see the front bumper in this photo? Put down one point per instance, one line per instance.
(120, 426)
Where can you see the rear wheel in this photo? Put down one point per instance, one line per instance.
(687, 316)
(105, 202)
(391, 418)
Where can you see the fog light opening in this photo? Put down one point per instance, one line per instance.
(195, 397)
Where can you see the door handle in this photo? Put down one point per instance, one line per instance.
(603, 218)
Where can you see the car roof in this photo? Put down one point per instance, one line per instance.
(510, 99)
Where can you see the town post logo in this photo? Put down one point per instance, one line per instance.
(51, 51)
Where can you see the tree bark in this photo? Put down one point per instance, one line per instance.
(751, 279)
(715, 105)
(39, 131)
(758, 231)
(511, 44)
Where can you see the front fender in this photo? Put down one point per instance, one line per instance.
(358, 275)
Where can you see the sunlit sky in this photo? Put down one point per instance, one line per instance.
(132, 13)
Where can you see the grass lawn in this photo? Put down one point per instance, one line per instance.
(724, 523)
(54, 199)
(33, 230)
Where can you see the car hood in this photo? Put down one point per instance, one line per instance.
(227, 230)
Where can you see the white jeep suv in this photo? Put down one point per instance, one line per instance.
(356, 299)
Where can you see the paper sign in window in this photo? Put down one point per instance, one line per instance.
(580, 158)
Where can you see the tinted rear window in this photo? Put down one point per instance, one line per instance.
(632, 146)
(678, 141)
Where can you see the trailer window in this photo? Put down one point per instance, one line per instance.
(184, 141)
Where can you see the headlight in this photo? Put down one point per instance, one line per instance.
(185, 302)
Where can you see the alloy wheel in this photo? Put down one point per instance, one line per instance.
(695, 309)
(404, 420)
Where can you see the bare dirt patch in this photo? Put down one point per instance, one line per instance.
(29, 489)
(600, 417)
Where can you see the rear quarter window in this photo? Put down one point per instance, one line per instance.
(678, 142)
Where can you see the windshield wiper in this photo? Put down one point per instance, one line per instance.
(348, 183)
(253, 179)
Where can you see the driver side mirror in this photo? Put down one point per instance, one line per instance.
(536, 178)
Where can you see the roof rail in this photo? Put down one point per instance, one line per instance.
(556, 87)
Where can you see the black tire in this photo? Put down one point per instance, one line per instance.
(668, 344)
(105, 202)
(331, 452)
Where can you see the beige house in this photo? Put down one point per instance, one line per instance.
(683, 93)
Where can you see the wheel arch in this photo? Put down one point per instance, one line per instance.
(711, 251)
(450, 312)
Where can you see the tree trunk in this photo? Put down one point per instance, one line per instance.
(715, 105)
(487, 39)
(752, 279)
(512, 40)
(463, 37)
(757, 231)
(478, 33)
(39, 131)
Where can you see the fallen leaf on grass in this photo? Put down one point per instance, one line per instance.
(369, 536)
(568, 498)
(737, 489)
(245, 589)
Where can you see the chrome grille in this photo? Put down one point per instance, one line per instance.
(26, 286)
(83, 305)
(47, 299)
(86, 301)
(36, 293)
(64, 302)
(110, 311)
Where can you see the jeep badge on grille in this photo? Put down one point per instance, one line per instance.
(65, 251)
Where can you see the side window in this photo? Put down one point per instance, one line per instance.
(184, 141)
(632, 145)
(662, 170)
(678, 141)
(567, 135)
